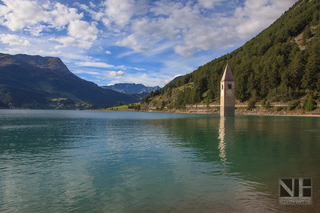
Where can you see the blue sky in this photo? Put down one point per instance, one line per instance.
(133, 41)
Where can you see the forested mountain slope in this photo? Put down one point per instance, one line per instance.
(282, 63)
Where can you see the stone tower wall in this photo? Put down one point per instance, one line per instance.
(227, 101)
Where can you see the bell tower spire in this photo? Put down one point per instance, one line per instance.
(227, 88)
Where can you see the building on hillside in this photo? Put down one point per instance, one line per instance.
(227, 88)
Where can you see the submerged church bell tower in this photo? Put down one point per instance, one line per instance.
(227, 88)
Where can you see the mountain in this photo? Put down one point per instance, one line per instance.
(130, 88)
(280, 64)
(46, 82)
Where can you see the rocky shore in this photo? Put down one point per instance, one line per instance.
(243, 111)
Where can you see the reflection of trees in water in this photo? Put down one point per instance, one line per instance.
(258, 149)
(255, 145)
(281, 146)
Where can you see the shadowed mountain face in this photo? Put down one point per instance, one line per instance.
(38, 82)
(128, 88)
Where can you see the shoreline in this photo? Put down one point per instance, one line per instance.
(216, 111)
(253, 112)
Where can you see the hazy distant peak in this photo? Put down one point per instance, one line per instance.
(130, 88)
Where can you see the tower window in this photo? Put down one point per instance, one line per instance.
(222, 86)
(229, 86)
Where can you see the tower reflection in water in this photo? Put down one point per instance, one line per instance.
(226, 138)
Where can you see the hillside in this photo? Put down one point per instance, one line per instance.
(281, 64)
(130, 88)
(46, 82)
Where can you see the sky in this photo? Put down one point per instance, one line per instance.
(133, 41)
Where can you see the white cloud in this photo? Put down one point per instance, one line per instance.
(173, 21)
(120, 12)
(62, 15)
(31, 16)
(139, 69)
(21, 14)
(194, 26)
(208, 3)
(257, 15)
(185, 50)
(166, 33)
(14, 40)
(14, 50)
(194, 32)
(35, 30)
(86, 72)
(170, 79)
(70, 41)
(138, 78)
(45, 52)
(17, 14)
(95, 64)
(132, 42)
(96, 15)
(83, 30)
(116, 74)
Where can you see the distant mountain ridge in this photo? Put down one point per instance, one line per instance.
(46, 82)
(130, 88)
(52, 63)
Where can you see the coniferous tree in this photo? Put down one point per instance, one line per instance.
(296, 69)
(203, 85)
(306, 35)
(309, 104)
(310, 77)
(211, 94)
(196, 95)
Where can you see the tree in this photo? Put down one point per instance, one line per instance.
(163, 104)
(306, 35)
(251, 104)
(203, 85)
(152, 94)
(196, 95)
(310, 77)
(296, 69)
(293, 104)
(267, 105)
(180, 100)
(310, 104)
(137, 107)
(315, 19)
(169, 91)
(211, 94)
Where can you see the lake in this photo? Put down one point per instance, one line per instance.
(95, 161)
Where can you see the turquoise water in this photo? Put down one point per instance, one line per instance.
(83, 161)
